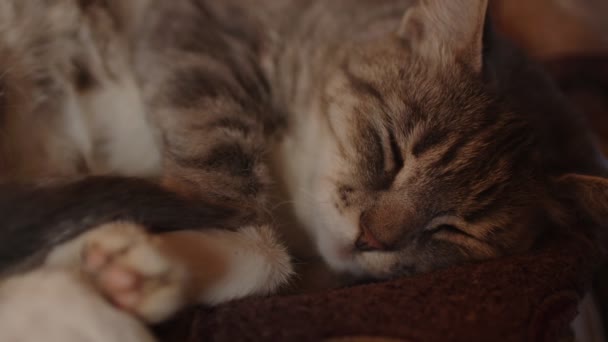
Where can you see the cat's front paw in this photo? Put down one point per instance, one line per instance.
(126, 264)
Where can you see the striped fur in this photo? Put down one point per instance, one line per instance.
(405, 134)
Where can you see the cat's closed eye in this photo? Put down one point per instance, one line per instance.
(456, 232)
(450, 229)
(451, 226)
(393, 159)
(396, 154)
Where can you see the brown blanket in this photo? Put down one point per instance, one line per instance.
(531, 297)
(526, 298)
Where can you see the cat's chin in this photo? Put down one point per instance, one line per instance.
(373, 265)
(339, 253)
(362, 266)
(344, 259)
(339, 257)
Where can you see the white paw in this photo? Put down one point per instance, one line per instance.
(125, 263)
(256, 264)
(129, 267)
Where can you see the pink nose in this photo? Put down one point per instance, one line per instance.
(368, 242)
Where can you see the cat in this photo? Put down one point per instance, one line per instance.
(35, 297)
(405, 135)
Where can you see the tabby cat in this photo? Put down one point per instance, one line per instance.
(146, 143)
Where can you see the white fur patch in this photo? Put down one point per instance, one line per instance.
(115, 115)
(257, 264)
(162, 283)
(57, 306)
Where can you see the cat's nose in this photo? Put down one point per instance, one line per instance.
(367, 242)
(382, 227)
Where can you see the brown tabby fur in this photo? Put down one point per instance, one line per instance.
(406, 134)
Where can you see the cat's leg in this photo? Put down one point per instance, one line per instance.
(154, 275)
(124, 262)
(203, 85)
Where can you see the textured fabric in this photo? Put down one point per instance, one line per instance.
(532, 297)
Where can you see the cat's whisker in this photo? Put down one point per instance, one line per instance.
(381, 110)
(283, 203)
(312, 198)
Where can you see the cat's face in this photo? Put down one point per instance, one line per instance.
(424, 168)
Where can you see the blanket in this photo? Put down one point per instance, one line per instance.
(530, 297)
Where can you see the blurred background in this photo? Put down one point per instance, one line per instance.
(570, 37)
(554, 28)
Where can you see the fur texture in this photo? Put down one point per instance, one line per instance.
(88, 318)
(406, 136)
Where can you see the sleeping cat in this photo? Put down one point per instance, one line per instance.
(404, 134)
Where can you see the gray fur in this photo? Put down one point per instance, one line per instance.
(406, 126)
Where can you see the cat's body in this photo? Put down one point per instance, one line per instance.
(403, 142)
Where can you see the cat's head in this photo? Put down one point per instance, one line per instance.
(426, 167)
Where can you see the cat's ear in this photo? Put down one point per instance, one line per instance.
(446, 30)
(587, 195)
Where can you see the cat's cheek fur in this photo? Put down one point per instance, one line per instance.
(335, 231)
(310, 163)
(336, 237)
(336, 251)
